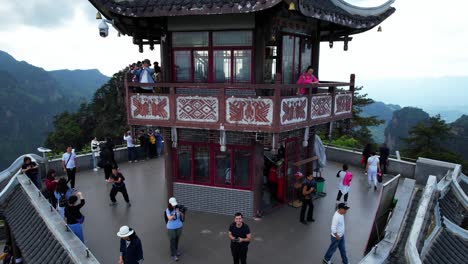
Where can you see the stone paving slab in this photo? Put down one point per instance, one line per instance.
(278, 238)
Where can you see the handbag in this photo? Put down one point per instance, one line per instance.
(379, 177)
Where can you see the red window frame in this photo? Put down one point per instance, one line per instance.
(213, 150)
(210, 48)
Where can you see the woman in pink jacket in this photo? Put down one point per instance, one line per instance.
(307, 77)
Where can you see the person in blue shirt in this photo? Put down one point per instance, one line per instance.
(145, 74)
(174, 227)
(131, 250)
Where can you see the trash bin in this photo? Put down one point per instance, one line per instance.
(320, 184)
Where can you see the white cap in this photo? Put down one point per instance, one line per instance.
(124, 231)
(173, 201)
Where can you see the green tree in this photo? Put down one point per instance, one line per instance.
(104, 117)
(426, 140)
(358, 126)
(67, 132)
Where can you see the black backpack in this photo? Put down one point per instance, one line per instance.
(167, 219)
(62, 200)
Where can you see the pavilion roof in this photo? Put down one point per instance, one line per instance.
(334, 11)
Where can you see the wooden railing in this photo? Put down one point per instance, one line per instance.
(269, 108)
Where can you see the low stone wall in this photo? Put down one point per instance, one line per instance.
(426, 167)
(85, 161)
(353, 158)
(214, 199)
(421, 222)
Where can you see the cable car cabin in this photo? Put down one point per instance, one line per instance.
(228, 104)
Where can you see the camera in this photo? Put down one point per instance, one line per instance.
(181, 208)
(103, 29)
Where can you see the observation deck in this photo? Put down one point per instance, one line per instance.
(268, 108)
(276, 239)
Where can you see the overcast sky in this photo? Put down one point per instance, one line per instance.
(424, 38)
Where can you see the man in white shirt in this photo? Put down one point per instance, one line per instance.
(95, 152)
(337, 235)
(372, 169)
(69, 165)
(130, 147)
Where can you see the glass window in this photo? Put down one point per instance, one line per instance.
(190, 39)
(242, 66)
(202, 168)
(296, 59)
(223, 168)
(242, 168)
(200, 64)
(232, 38)
(222, 66)
(306, 57)
(182, 65)
(288, 50)
(184, 157)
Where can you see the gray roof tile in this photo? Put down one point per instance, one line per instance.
(447, 248)
(453, 209)
(35, 241)
(464, 186)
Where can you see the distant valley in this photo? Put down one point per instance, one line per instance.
(30, 97)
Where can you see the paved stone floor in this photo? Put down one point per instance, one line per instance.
(278, 238)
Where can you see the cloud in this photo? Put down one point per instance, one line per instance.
(75, 44)
(40, 13)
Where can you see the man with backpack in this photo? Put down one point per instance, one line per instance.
(344, 184)
(307, 190)
(118, 185)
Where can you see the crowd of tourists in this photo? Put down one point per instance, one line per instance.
(68, 201)
(141, 72)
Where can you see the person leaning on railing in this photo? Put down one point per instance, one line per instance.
(307, 77)
(144, 75)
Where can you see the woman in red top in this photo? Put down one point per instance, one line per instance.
(307, 77)
(51, 185)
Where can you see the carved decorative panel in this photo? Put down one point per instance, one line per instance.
(343, 103)
(151, 107)
(321, 106)
(249, 111)
(293, 110)
(197, 109)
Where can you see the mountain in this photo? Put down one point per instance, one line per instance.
(30, 97)
(383, 112)
(402, 121)
(458, 141)
(80, 83)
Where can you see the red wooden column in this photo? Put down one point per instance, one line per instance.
(172, 105)
(277, 103)
(127, 101)
(222, 106)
